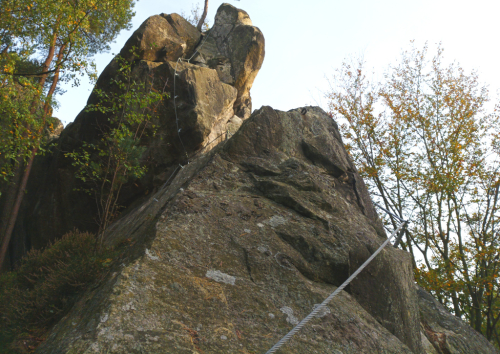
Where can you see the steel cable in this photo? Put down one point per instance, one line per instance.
(332, 295)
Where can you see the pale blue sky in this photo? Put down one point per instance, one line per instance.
(307, 40)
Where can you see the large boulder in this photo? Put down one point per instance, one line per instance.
(241, 244)
(161, 38)
(235, 48)
(199, 113)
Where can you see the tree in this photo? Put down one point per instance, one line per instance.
(65, 35)
(105, 166)
(427, 145)
(203, 16)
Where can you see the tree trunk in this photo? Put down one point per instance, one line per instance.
(15, 209)
(203, 16)
(48, 61)
(9, 198)
(54, 82)
(14, 204)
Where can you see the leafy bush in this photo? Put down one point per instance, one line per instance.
(46, 284)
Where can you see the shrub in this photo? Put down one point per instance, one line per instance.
(46, 285)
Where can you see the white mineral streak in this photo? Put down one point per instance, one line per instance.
(128, 307)
(323, 312)
(276, 220)
(290, 317)
(220, 277)
(262, 249)
(151, 256)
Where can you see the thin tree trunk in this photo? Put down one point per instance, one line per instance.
(54, 81)
(456, 304)
(203, 16)
(9, 197)
(48, 61)
(14, 211)
(20, 194)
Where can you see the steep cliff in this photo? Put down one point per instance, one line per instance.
(243, 224)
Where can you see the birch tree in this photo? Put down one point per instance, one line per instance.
(425, 138)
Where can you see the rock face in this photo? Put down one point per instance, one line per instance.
(210, 103)
(243, 224)
(161, 38)
(242, 244)
(236, 50)
(54, 129)
(445, 333)
(233, 47)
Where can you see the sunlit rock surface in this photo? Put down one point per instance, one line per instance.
(203, 99)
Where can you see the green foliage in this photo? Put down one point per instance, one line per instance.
(47, 283)
(129, 104)
(19, 126)
(426, 142)
(63, 36)
(83, 27)
(58, 38)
